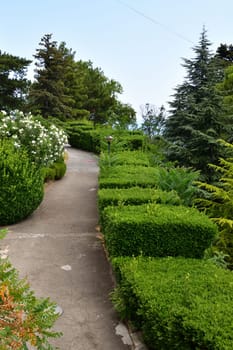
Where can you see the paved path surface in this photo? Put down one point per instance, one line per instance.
(58, 250)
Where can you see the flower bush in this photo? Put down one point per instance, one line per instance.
(43, 141)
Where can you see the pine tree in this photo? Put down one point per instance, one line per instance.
(195, 122)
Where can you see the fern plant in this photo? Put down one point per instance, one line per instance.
(180, 180)
(217, 202)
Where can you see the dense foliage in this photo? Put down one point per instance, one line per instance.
(217, 202)
(70, 89)
(13, 83)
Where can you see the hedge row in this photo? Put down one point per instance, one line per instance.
(87, 140)
(123, 176)
(179, 304)
(157, 230)
(170, 299)
(82, 135)
(128, 158)
(135, 196)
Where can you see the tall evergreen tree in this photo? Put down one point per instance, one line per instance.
(48, 94)
(13, 83)
(196, 120)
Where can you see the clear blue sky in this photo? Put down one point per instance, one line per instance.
(140, 47)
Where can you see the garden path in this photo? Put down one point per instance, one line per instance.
(58, 249)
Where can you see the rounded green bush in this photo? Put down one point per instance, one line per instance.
(55, 172)
(21, 184)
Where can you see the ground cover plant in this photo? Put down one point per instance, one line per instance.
(157, 230)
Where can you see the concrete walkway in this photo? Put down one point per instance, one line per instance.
(57, 248)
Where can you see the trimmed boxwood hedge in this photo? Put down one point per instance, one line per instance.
(135, 196)
(133, 142)
(157, 230)
(179, 304)
(87, 140)
(123, 176)
(84, 136)
(129, 158)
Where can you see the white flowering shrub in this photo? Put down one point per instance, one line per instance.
(43, 141)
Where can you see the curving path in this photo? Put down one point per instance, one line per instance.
(57, 248)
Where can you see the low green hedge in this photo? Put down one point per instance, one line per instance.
(55, 172)
(125, 176)
(133, 142)
(157, 230)
(179, 304)
(129, 158)
(85, 137)
(135, 196)
(87, 140)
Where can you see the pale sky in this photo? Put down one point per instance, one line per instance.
(138, 43)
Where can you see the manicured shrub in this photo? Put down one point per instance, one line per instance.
(87, 140)
(179, 304)
(73, 138)
(21, 184)
(133, 142)
(157, 230)
(135, 196)
(125, 158)
(123, 176)
(25, 321)
(60, 169)
(55, 172)
(48, 174)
